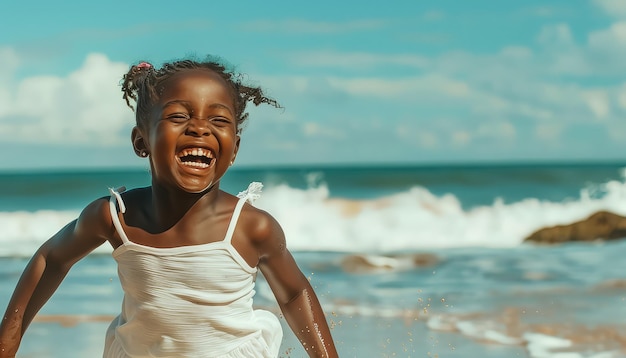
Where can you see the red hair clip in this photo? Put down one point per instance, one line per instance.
(144, 65)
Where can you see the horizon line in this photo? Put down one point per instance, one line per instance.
(354, 166)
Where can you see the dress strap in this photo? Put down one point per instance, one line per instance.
(251, 194)
(116, 198)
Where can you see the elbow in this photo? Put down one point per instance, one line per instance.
(297, 299)
(50, 263)
(294, 297)
(57, 266)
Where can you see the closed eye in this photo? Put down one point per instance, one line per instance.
(223, 120)
(177, 117)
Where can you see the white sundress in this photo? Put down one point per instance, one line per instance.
(189, 301)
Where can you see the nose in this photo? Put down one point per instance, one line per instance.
(198, 127)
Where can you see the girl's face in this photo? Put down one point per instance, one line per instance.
(192, 131)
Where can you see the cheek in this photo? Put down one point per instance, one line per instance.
(160, 134)
(231, 141)
(162, 144)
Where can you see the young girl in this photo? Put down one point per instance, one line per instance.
(187, 252)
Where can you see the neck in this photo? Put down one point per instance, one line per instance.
(171, 204)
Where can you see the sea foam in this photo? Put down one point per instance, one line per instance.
(412, 220)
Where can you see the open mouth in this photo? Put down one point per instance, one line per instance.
(195, 157)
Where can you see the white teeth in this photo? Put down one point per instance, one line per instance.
(196, 164)
(196, 152)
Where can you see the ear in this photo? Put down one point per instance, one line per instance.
(232, 161)
(139, 143)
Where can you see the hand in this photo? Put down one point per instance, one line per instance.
(4, 352)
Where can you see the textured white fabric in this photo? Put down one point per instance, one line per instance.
(189, 301)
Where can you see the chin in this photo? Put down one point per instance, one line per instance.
(196, 189)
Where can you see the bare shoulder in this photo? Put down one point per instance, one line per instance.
(261, 227)
(95, 225)
(95, 220)
(78, 238)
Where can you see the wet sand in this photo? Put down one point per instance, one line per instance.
(355, 336)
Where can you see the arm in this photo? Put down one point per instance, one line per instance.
(294, 293)
(47, 269)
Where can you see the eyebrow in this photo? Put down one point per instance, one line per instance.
(219, 105)
(187, 104)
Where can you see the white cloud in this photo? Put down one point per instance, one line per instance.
(610, 42)
(420, 137)
(461, 135)
(543, 86)
(357, 59)
(516, 53)
(604, 52)
(614, 8)
(83, 107)
(281, 146)
(314, 129)
(544, 11)
(427, 139)
(415, 88)
(556, 35)
(598, 102)
(488, 92)
(461, 138)
(513, 96)
(10, 62)
(488, 99)
(548, 132)
(621, 97)
(617, 131)
(501, 130)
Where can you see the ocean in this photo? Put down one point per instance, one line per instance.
(424, 261)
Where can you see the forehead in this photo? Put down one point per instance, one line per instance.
(196, 85)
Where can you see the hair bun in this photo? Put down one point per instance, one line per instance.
(143, 65)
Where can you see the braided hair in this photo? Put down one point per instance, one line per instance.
(141, 84)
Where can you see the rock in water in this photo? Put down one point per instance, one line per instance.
(602, 225)
(362, 263)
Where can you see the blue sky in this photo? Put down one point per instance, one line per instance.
(399, 82)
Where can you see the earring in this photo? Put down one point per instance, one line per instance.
(143, 153)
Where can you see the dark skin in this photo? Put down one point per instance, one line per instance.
(183, 207)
